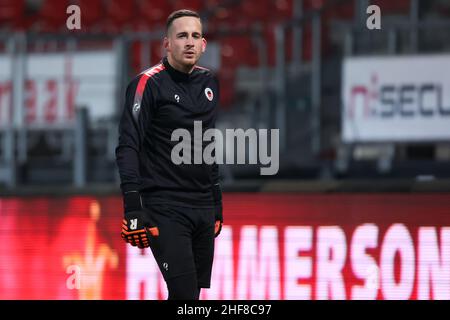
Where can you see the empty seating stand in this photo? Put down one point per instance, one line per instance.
(11, 14)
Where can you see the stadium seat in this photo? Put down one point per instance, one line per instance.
(393, 7)
(238, 51)
(11, 13)
(195, 5)
(219, 19)
(226, 79)
(153, 12)
(313, 4)
(255, 11)
(136, 59)
(52, 16)
(119, 15)
(282, 9)
(157, 52)
(92, 14)
(345, 11)
(239, 16)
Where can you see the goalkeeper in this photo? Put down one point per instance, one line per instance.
(176, 210)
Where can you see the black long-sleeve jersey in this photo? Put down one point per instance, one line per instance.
(159, 101)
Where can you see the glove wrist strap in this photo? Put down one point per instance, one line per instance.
(132, 201)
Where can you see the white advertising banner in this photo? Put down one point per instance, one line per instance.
(56, 83)
(389, 99)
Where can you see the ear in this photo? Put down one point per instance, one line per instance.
(204, 45)
(166, 44)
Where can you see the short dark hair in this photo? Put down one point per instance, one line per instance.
(178, 14)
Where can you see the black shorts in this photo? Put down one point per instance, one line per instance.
(185, 243)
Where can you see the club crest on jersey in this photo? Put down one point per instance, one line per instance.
(209, 94)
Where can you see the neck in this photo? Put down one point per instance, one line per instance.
(179, 67)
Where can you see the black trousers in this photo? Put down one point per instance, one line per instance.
(184, 249)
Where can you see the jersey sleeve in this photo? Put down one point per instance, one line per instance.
(136, 113)
(215, 178)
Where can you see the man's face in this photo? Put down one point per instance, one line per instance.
(184, 42)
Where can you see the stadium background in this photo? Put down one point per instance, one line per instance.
(359, 208)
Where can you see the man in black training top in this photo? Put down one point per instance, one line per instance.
(175, 209)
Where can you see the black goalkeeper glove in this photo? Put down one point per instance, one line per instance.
(217, 195)
(137, 226)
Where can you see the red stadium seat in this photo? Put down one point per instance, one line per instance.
(282, 9)
(93, 13)
(313, 4)
(307, 42)
(346, 11)
(220, 18)
(135, 57)
(52, 16)
(119, 14)
(238, 17)
(393, 7)
(153, 12)
(211, 4)
(238, 51)
(256, 11)
(269, 37)
(226, 79)
(137, 63)
(157, 52)
(11, 12)
(195, 5)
